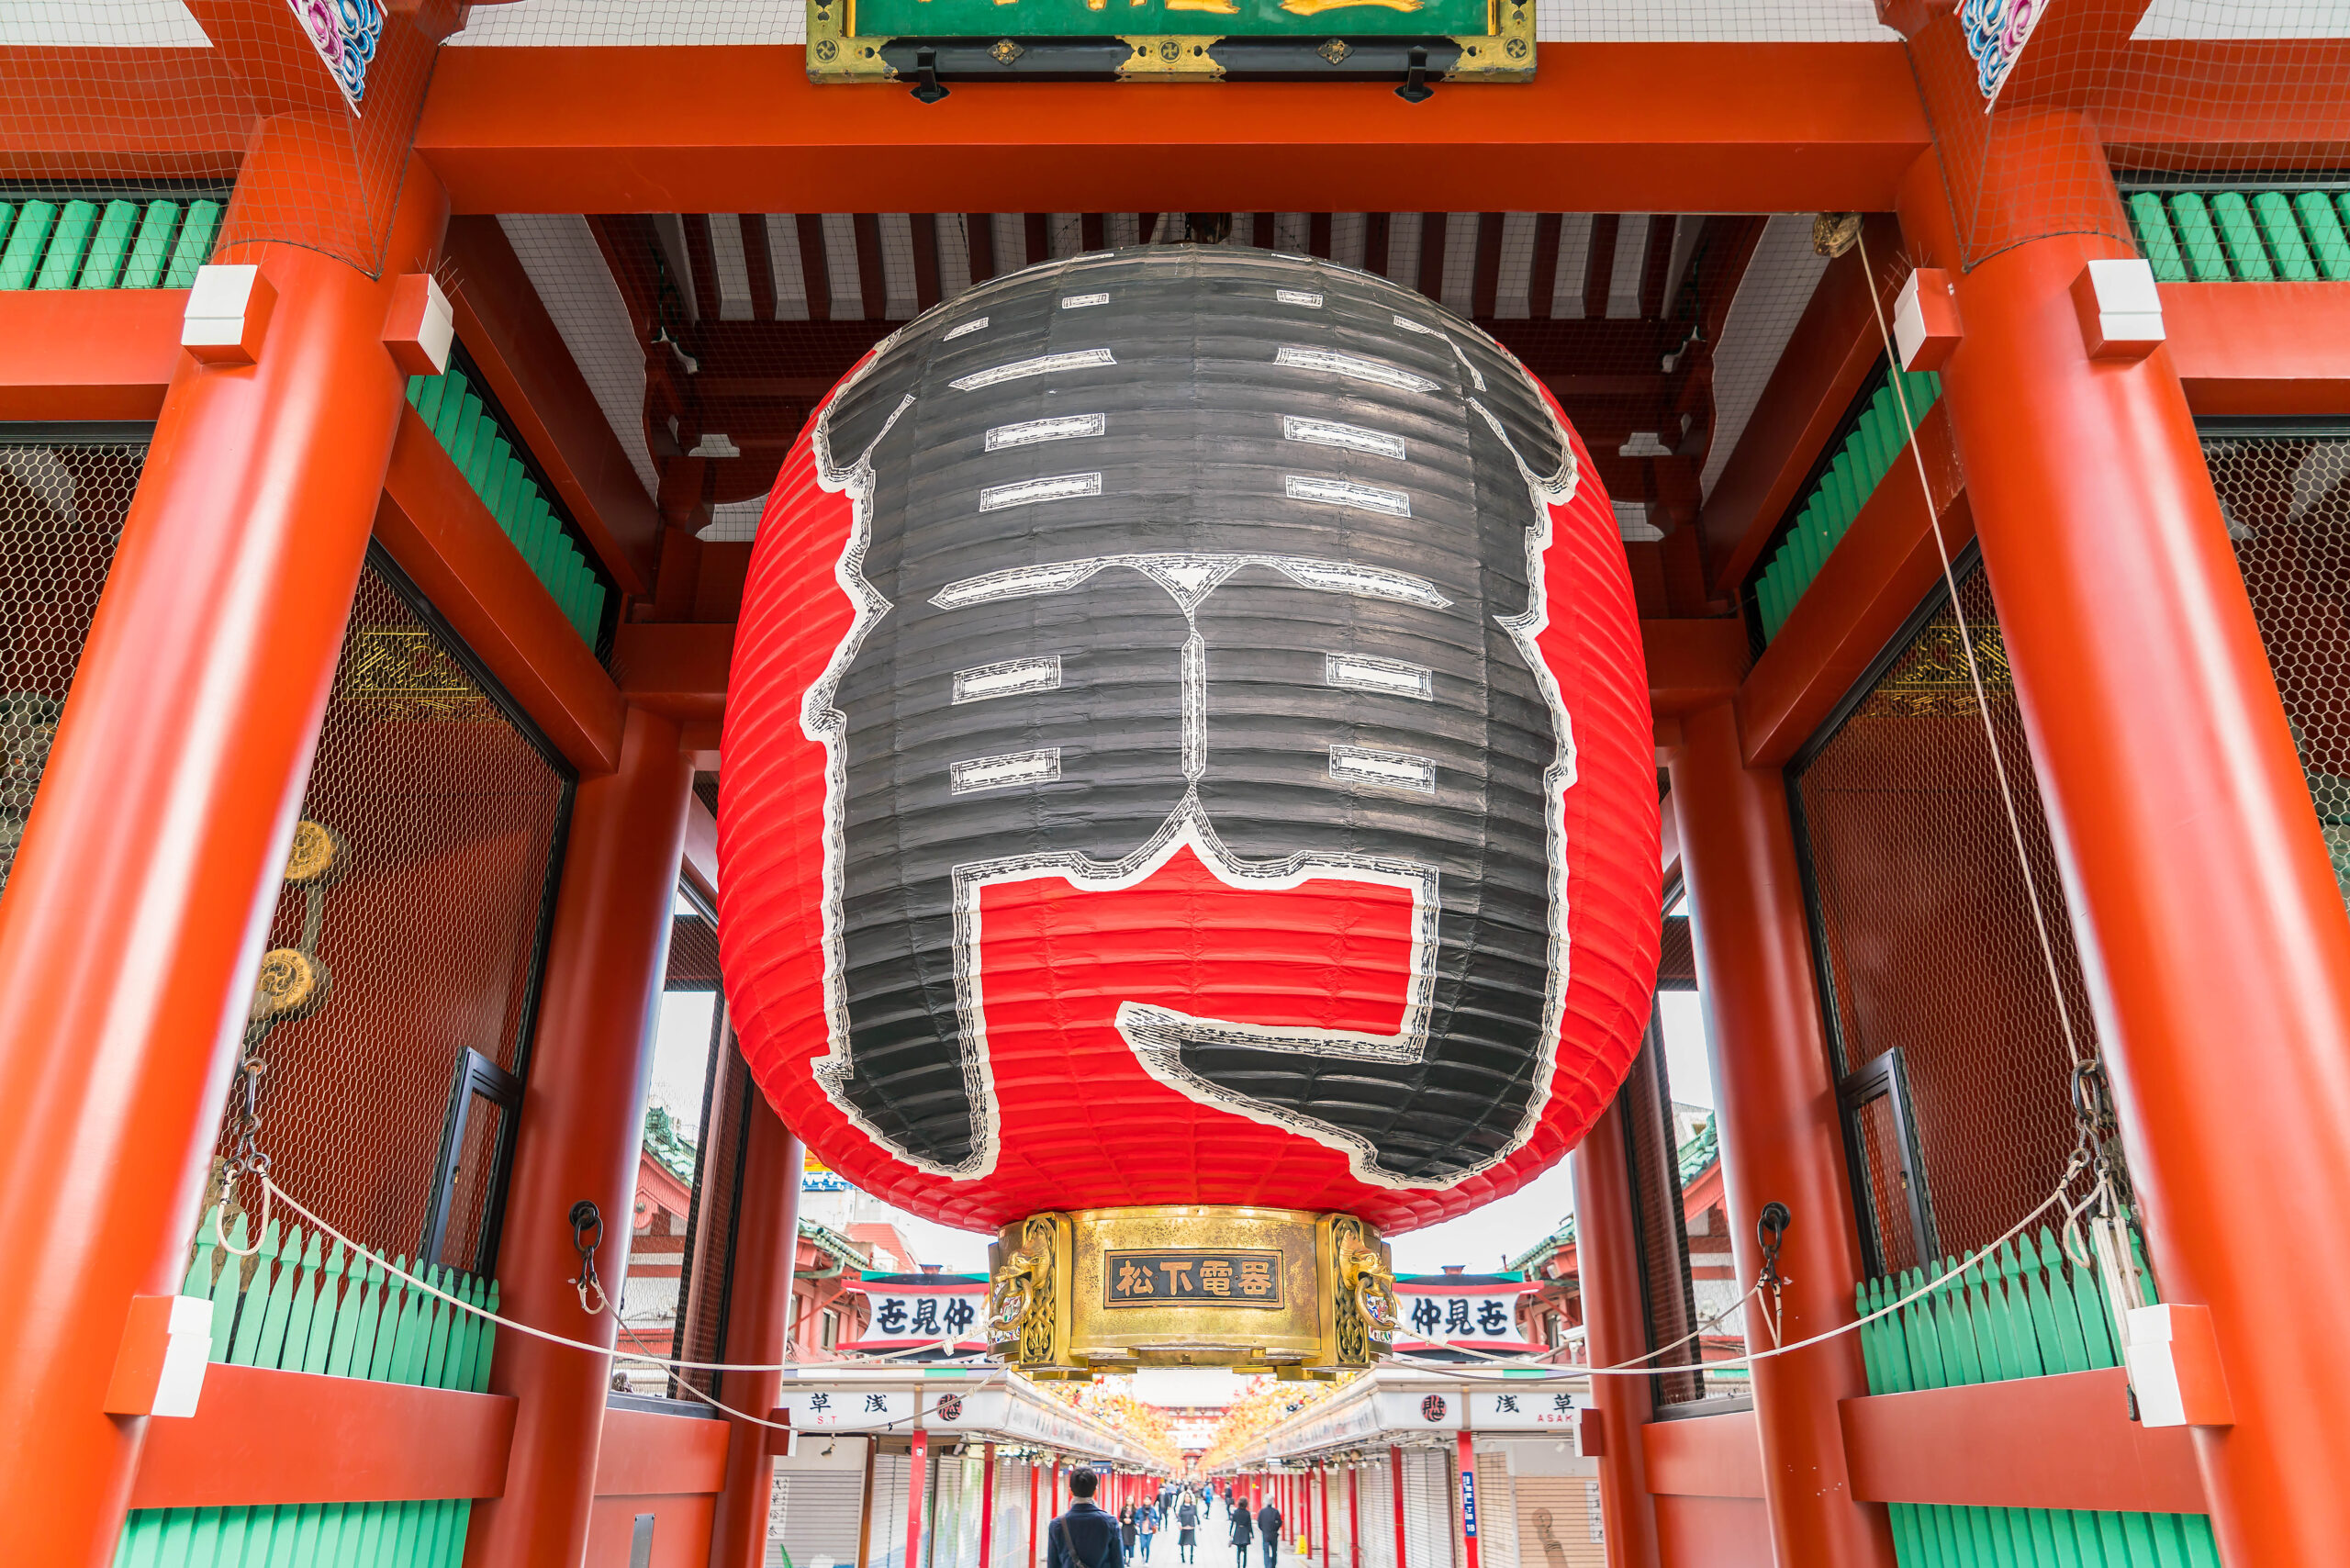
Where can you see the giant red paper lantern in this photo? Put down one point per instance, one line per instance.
(1189, 742)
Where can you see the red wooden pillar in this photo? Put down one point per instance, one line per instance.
(987, 1508)
(1781, 1141)
(579, 1137)
(758, 1322)
(139, 900)
(2209, 913)
(1607, 1263)
(1354, 1520)
(914, 1487)
(1465, 1450)
(1033, 1472)
(1395, 1475)
(1324, 1537)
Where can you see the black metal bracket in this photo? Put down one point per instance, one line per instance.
(926, 67)
(1416, 88)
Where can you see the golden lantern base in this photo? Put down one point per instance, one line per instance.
(1290, 1291)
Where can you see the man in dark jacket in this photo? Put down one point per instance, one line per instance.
(1084, 1537)
(1268, 1530)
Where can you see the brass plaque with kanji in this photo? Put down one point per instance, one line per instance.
(1167, 1278)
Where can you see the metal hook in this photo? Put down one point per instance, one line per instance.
(586, 1217)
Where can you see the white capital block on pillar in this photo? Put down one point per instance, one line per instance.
(2174, 1364)
(2120, 309)
(228, 313)
(1925, 320)
(159, 1371)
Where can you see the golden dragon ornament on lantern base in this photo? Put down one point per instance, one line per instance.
(1290, 1291)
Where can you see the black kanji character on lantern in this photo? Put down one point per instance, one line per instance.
(1505, 1404)
(1456, 1316)
(820, 1401)
(1426, 1315)
(959, 1316)
(875, 1405)
(892, 1316)
(1493, 1317)
(927, 1316)
(1562, 1401)
(1074, 654)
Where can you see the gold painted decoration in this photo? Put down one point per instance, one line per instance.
(1266, 1290)
(315, 858)
(1174, 57)
(1317, 7)
(292, 984)
(407, 673)
(1932, 680)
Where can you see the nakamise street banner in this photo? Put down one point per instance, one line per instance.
(1463, 1312)
(914, 1310)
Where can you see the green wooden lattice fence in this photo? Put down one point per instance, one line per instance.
(1868, 455)
(299, 1307)
(105, 244)
(2293, 236)
(470, 433)
(2023, 1312)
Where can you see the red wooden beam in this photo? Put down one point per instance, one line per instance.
(2261, 348)
(646, 1455)
(1827, 357)
(70, 353)
(1646, 127)
(676, 668)
(523, 354)
(445, 539)
(2041, 1442)
(260, 1436)
(1886, 564)
(1705, 1456)
(2273, 104)
(1692, 664)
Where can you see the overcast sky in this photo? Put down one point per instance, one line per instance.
(1481, 1241)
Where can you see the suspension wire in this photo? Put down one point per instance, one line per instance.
(1973, 668)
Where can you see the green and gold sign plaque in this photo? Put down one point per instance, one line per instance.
(925, 44)
(1296, 1293)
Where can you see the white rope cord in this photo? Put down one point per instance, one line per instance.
(1973, 670)
(1553, 1373)
(271, 1188)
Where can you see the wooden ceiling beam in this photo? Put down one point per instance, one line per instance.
(1603, 126)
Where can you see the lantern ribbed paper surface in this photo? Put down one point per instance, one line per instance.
(1189, 742)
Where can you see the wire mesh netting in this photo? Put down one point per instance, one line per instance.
(1956, 1077)
(2286, 496)
(2033, 107)
(62, 505)
(408, 932)
(319, 98)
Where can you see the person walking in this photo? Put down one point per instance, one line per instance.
(1268, 1530)
(1243, 1529)
(1146, 1527)
(1083, 1536)
(1126, 1528)
(1187, 1526)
